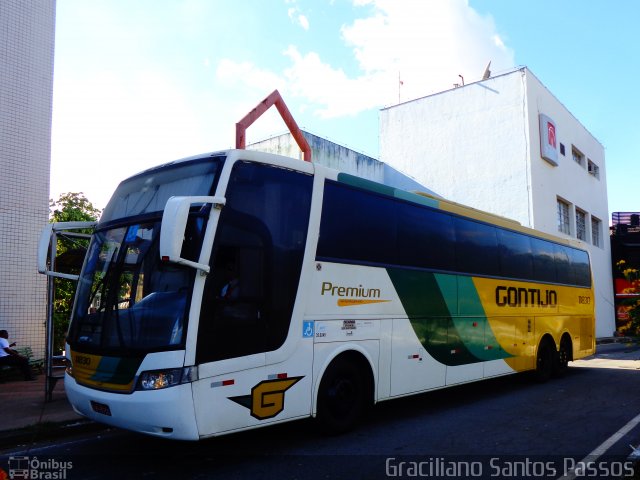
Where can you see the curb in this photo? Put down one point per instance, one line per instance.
(609, 340)
(47, 431)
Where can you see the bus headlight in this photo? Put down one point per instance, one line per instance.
(157, 379)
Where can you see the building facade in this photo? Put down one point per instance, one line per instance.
(26, 90)
(338, 157)
(508, 146)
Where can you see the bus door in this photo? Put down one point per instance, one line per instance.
(248, 300)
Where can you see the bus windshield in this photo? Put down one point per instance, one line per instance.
(128, 299)
(149, 191)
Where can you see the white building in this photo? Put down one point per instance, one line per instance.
(26, 89)
(333, 155)
(506, 145)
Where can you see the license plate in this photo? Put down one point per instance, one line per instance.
(101, 408)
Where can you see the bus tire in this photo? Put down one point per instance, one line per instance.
(341, 397)
(564, 356)
(546, 360)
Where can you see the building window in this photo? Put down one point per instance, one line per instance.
(562, 149)
(581, 225)
(596, 229)
(563, 217)
(593, 169)
(578, 156)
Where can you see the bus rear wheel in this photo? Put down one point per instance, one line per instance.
(564, 356)
(545, 360)
(341, 400)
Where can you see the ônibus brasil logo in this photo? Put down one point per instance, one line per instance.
(32, 468)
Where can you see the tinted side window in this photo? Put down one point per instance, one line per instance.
(477, 248)
(544, 267)
(425, 238)
(357, 226)
(564, 269)
(255, 262)
(515, 254)
(580, 262)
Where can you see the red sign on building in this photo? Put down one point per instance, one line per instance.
(551, 134)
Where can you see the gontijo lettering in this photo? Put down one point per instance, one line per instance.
(525, 297)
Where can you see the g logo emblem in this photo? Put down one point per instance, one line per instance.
(267, 397)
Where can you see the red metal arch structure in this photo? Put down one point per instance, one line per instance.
(273, 99)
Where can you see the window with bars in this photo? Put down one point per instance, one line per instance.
(563, 217)
(578, 156)
(596, 231)
(581, 225)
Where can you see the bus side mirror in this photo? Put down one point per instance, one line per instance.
(47, 245)
(174, 224)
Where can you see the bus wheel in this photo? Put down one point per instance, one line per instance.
(564, 355)
(546, 360)
(341, 401)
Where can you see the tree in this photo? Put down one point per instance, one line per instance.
(73, 207)
(70, 207)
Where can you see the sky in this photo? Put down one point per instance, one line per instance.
(138, 83)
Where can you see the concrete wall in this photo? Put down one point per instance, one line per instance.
(468, 144)
(26, 88)
(480, 145)
(576, 186)
(338, 157)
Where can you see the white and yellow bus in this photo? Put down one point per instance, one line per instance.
(240, 289)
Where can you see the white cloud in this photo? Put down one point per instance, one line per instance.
(229, 72)
(298, 18)
(498, 42)
(123, 102)
(428, 43)
(106, 128)
(330, 89)
(303, 21)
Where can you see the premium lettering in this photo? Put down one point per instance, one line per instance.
(525, 297)
(354, 292)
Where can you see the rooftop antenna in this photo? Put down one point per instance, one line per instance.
(462, 78)
(487, 72)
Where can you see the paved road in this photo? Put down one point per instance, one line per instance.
(509, 420)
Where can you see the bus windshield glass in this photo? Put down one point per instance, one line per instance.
(149, 191)
(127, 299)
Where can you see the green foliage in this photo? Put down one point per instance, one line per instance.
(70, 207)
(73, 207)
(60, 327)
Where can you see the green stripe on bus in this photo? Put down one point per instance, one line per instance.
(365, 184)
(430, 317)
(386, 190)
(116, 370)
(479, 338)
(431, 303)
